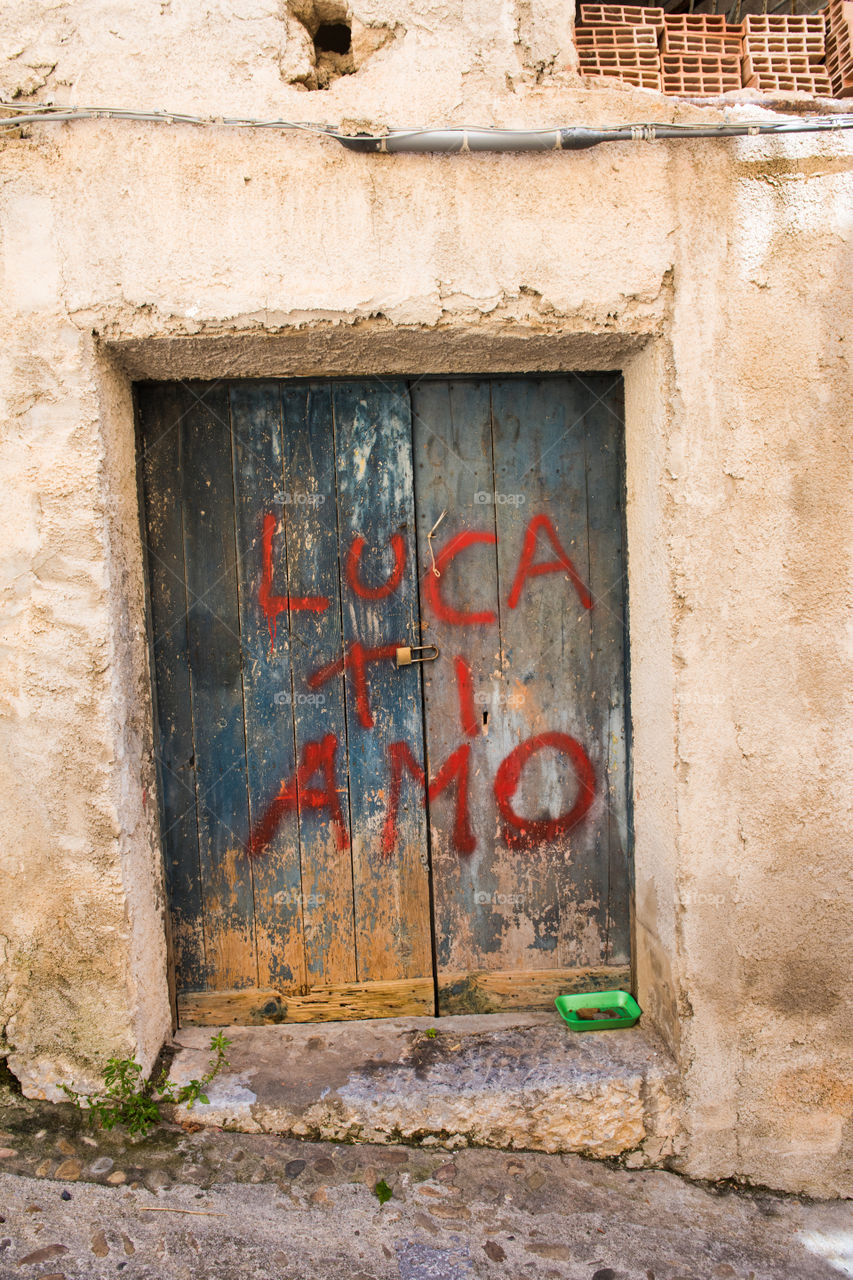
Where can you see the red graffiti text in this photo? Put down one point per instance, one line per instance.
(562, 564)
(465, 691)
(296, 793)
(272, 605)
(387, 588)
(456, 766)
(440, 607)
(356, 661)
(528, 831)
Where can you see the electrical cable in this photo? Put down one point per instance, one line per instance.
(449, 140)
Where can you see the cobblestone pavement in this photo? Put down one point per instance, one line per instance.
(81, 1204)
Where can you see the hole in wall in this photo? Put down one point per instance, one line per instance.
(333, 37)
(332, 41)
(324, 32)
(9, 1082)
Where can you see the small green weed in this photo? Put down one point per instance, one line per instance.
(431, 1033)
(382, 1191)
(134, 1103)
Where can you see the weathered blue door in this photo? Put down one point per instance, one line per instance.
(348, 834)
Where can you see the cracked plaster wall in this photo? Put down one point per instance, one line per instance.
(710, 272)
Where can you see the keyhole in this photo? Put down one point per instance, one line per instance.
(485, 718)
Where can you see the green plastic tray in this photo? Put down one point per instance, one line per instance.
(623, 1000)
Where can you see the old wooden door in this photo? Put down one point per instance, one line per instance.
(344, 836)
(520, 479)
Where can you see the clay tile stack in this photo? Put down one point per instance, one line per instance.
(621, 15)
(700, 54)
(784, 53)
(839, 47)
(622, 41)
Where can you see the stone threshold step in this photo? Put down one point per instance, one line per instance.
(512, 1081)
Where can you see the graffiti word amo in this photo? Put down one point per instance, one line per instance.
(314, 786)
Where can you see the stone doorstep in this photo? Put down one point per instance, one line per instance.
(512, 1081)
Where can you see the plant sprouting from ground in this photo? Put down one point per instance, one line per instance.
(382, 1191)
(128, 1100)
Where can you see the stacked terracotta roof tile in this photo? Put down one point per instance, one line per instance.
(622, 41)
(839, 47)
(784, 53)
(700, 54)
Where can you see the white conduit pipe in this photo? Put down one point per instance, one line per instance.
(451, 141)
(575, 138)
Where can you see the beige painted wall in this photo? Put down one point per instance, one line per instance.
(716, 274)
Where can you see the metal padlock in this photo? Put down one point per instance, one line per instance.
(407, 654)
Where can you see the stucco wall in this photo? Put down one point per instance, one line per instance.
(714, 273)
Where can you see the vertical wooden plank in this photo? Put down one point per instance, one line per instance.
(260, 497)
(217, 696)
(540, 457)
(475, 918)
(314, 572)
(160, 410)
(383, 704)
(603, 430)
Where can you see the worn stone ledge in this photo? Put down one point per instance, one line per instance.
(514, 1081)
(327, 347)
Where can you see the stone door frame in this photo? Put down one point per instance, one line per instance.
(380, 348)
